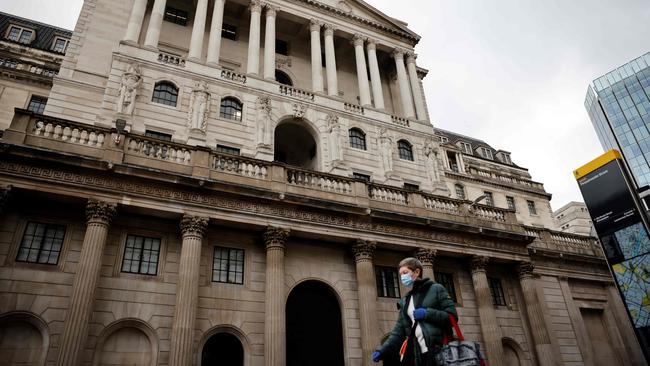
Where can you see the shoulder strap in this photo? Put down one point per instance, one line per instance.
(454, 324)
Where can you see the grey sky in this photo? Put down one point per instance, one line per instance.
(511, 72)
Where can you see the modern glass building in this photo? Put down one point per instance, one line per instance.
(618, 104)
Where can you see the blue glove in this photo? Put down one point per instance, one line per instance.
(376, 356)
(419, 313)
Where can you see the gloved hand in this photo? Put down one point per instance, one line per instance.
(376, 356)
(419, 313)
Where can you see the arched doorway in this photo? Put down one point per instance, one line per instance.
(222, 349)
(295, 145)
(125, 346)
(314, 326)
(21, 343)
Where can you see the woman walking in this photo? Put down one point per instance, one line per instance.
(423, 318)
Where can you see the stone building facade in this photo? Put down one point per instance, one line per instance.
(574, 218)
(235, 181)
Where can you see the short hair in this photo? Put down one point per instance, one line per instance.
(412, 264)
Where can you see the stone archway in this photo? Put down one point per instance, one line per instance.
(314, 326)
(127, 342)
(23, 339)
(295, 143)
(222, 348)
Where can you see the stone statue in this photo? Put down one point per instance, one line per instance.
(131, 80)
(264, 121)
(334, 128)
(386, 144)
(431, 154)
(197, 116)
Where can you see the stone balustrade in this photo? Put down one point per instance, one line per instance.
(70, 132)
(238, 165)
(388, 194)
(320, 181)
(488, 213)
(233, 76)
(505, 178)
(168, 58)
(400, 121)
(161, 150)
(296, 93)
(354, 108)
(442, 204)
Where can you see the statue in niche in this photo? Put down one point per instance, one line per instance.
(131, 80)
(431, 154)
(197, 118)
(386, 144)
(334, 129)
(264, 121)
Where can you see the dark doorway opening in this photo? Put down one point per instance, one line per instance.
(314, 327)
(295, 145)
(222, 349)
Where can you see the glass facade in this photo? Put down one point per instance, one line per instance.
(618, 104)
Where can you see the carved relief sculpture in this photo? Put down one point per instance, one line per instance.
(334, 129)
(386, 144)
(131, 80)
(264, 121)
(197, 116)
(299, 110)
(431, 161)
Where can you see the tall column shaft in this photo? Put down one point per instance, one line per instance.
(404, 88)
(427, 257)
(155, 22)
(330, 62)
(135, 21)
(253, 63)
(366, 284)
(98, 215)
(418, 98)
(316, 60)
(275, 323)
(269, 43)
(489, 325)
(187, 291)
(375, 79)
(214, 43)
(362, 73)
(198, 30)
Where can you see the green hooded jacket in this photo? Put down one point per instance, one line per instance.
(434, 298)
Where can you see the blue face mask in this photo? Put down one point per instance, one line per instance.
(406, 279)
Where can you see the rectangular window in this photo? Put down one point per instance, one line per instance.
(496, 290)
(453, 162)
(531, 208)
(387, 283)
(489, 198)
(228, 265)
(141, 255)
(25, 36)
(229, 31)
(41, 243)
(460, 191)
(281, 47)
(158, 135)
(363, 177)
(175, 16)
(411, 187)
(227, 150)
(443, 139)
(506, 159)
(37, 104)
(466, 148)
(14, 34)
(511, 203)
(60, 44)
(447, 281)
(485, 152)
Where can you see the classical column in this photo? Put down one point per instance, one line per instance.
(187, 291)
(489, 325)
(198, 30)
(274, 325)
(541, 338)
(363, 251)
(135, 21)
(269, 43)
(362, 73)
(155, 22)
(415, 86)
(375, 79)
(330, 62)
(316, 60)
(253, 64)
(214, 43)
(402, 80)
(98, 217)
(427, 257)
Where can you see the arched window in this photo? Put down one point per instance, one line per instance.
(231, 108)
(357, 139)
(282, 78)
(405, 150)
(165, 93)
(460, 191)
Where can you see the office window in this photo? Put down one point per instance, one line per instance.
(363, 177)
(230, 108)
(228, 265)
(489, 198)
(227, 150)
(460, 191)
(485, 152)
(41, 243)
(281, 47)
(141, 255)
(447, 281)
(37, 104)
(20, 34)
(175, 16)
(229, 31)
(466, 148)
(165, 93)
(511, 203)
(405, 150)
(60, 45)
(357, 139)
(411, 187)
(387, 283)
(158, 135)
(496, 290)
(531, 208)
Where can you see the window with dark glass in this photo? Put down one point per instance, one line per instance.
(485, 152)
(41, 243)
(460, 191)
(489, 198)
(227, 150)
(363, 177)
(229, 31)
(453, 161)
(511, 203)
(37, 104)
(282, 78)
(405, 150)
(411, 187)
(357, 139)
(230, 109)
(447, 281)
(496, 290)
(25, 36)
(59, 45)
(531, 207)
(466, 148)
(158, 135)
(281, 47)
(14, 34)
(141, 255)
(387, 283)
(176, 16)
(165, 93)
(228, 265)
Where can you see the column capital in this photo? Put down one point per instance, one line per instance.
(398, 53)
(525, 270)
(411, 57)
(194, 225)
(363, 250)
(479, 262)
(100, 212)
(358, 39)
(271, 10)
(329, 29)
(371, 44)
(256, 6)
(425, 255)
(314, 25)
(275, 237)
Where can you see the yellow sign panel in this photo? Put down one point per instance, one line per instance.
(597, 163)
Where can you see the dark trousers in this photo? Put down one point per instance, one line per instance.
(428, 359)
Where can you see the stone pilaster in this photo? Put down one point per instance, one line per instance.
(155, 23)
(253, 61)
(98, 217)
(363, 252)
(187, 292)
(330, 61)
(362, 73)
(489, 325)
(427, 257)
(275, 324)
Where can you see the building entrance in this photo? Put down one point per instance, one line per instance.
(295, 145)
(314, 326)
(222, 349)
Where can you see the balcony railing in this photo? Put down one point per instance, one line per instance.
(296, 93)
(168, 58)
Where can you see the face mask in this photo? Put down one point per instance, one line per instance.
(406, 279)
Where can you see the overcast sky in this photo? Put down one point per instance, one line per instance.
(511, 72)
